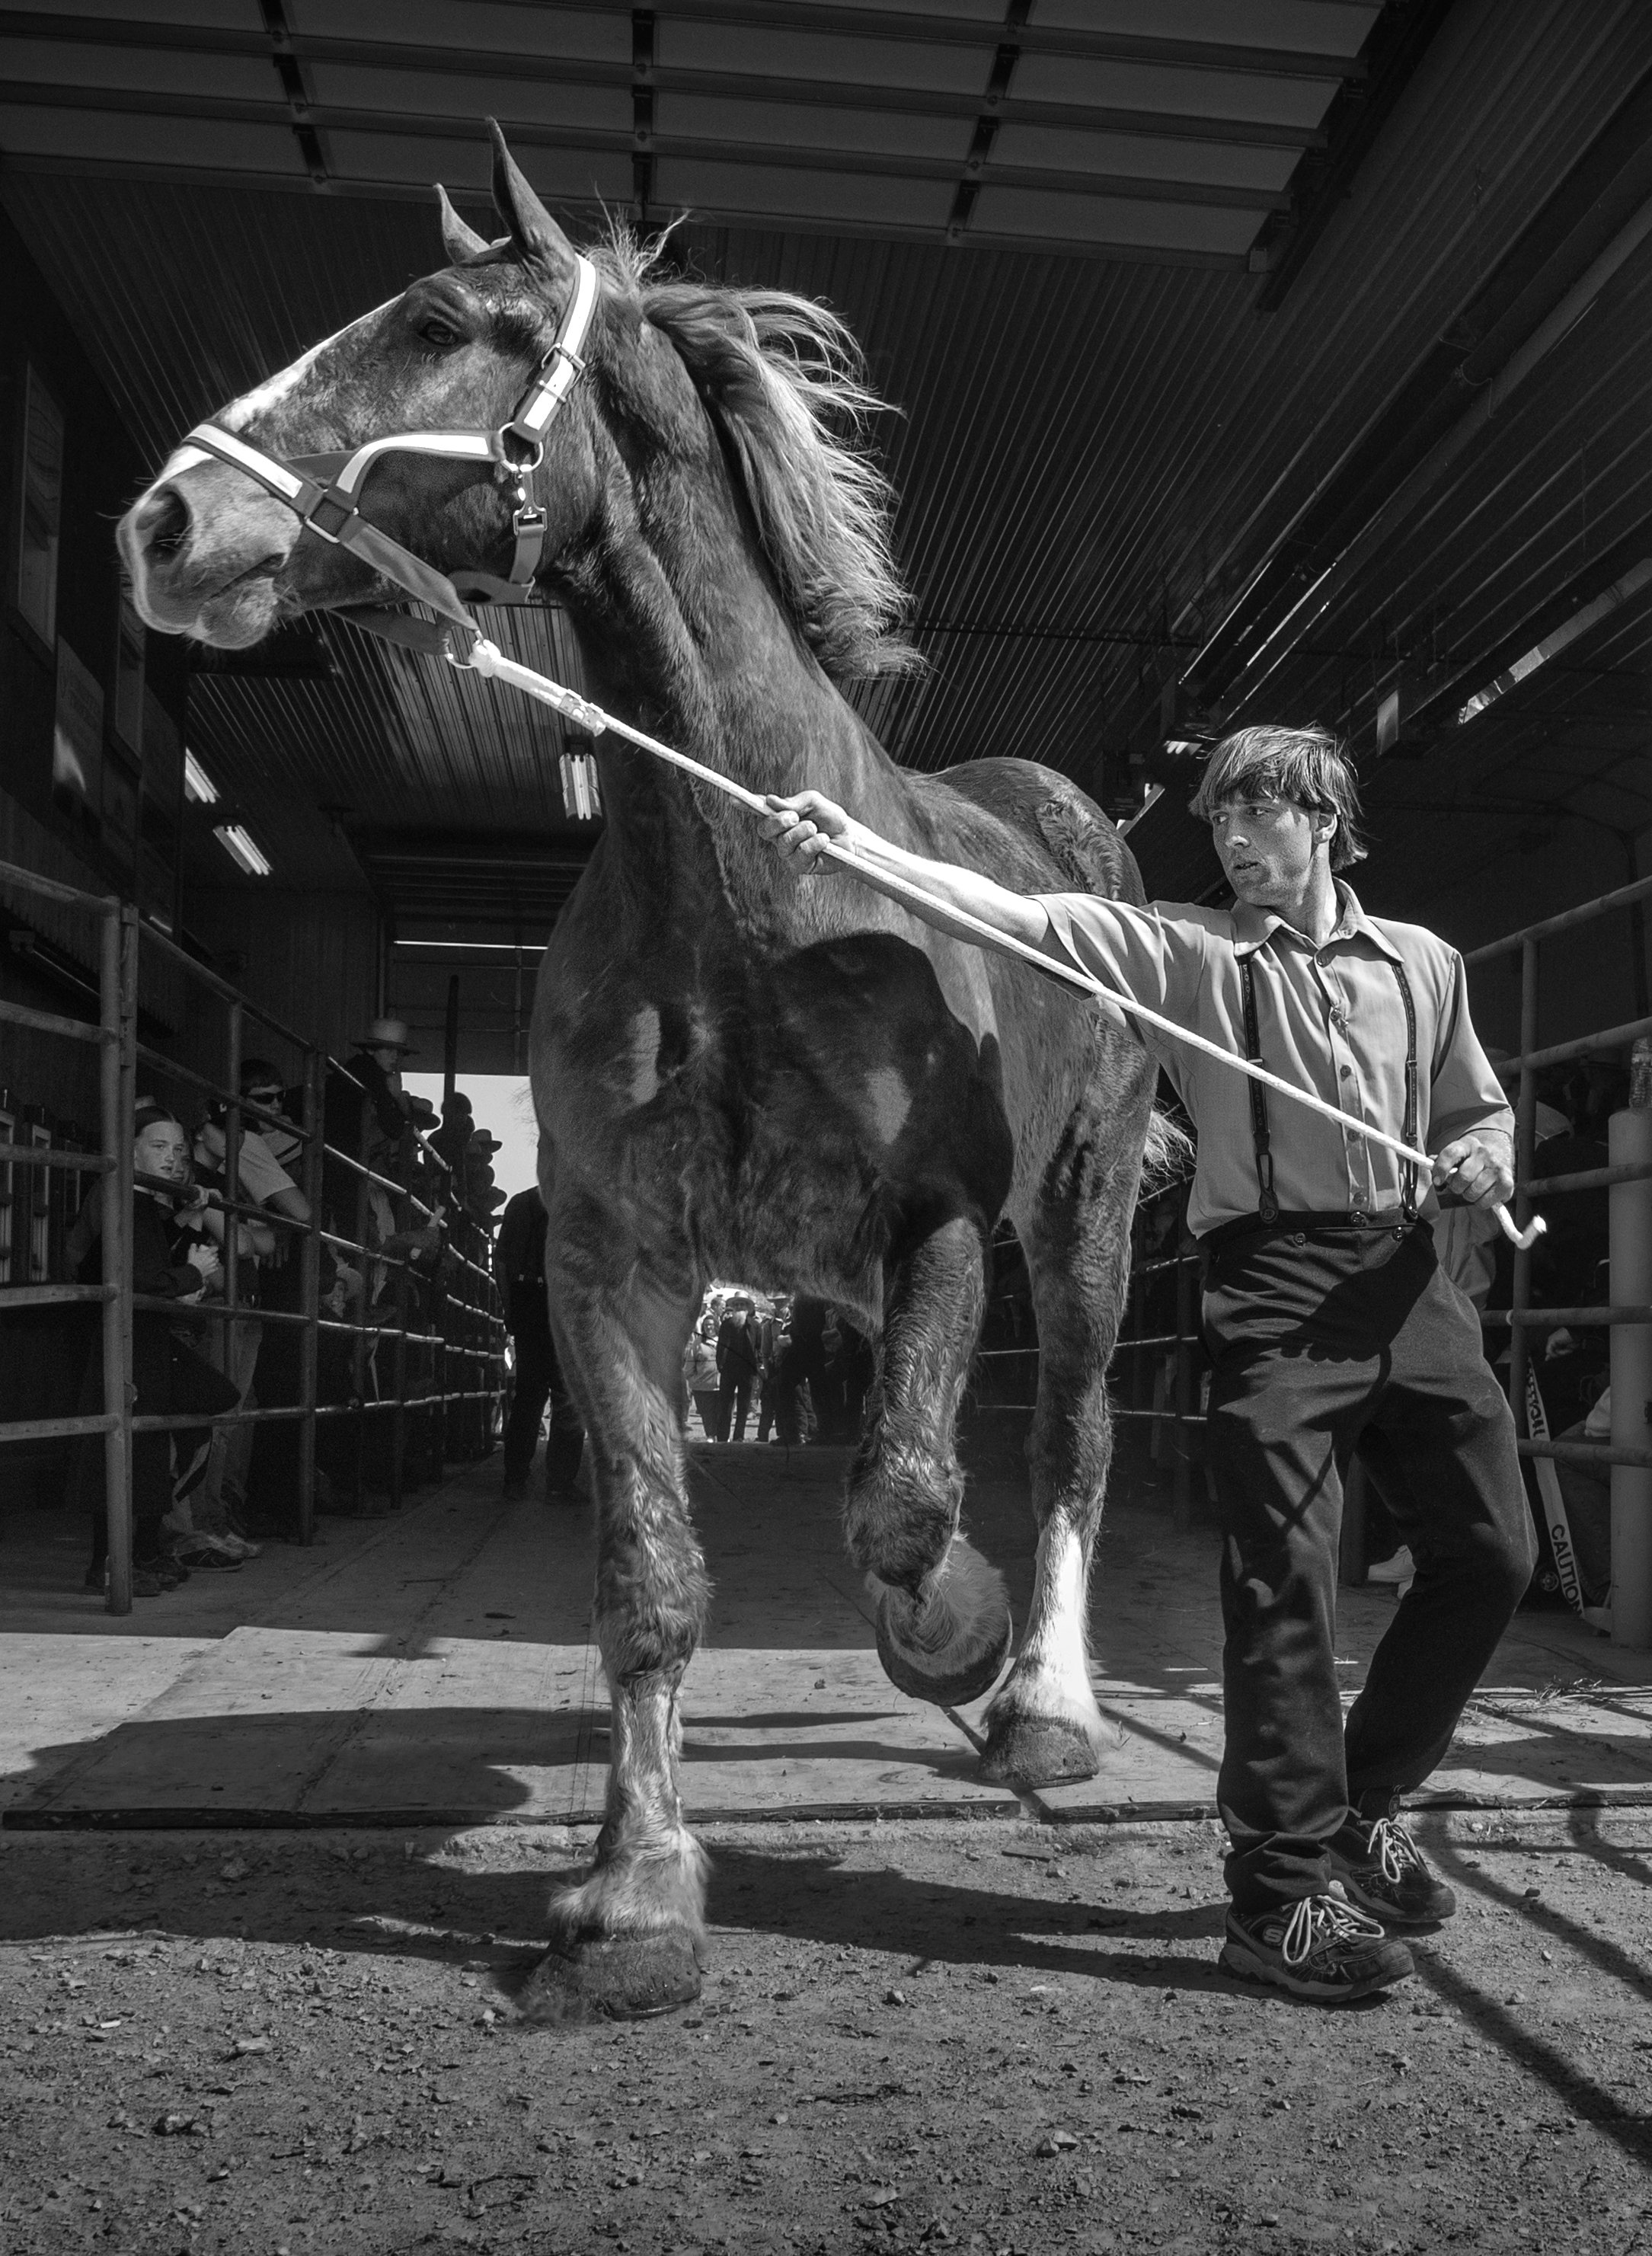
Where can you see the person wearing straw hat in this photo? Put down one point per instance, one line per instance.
(1328, 1321)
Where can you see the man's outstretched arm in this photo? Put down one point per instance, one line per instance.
(802, 824)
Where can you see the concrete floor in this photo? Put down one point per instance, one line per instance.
(434, 1668)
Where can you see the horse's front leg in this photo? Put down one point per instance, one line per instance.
(943, 1614)
(628, 1939)
(1044, 1725)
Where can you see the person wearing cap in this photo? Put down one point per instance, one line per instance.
(1328, 1321)
(376, 1066)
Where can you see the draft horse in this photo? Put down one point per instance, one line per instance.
(736, 1073)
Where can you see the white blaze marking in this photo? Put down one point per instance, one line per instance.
(270, 393)
(274, 389)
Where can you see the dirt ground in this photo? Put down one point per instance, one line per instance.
(989, 2036)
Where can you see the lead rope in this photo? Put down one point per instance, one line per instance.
(485, 658)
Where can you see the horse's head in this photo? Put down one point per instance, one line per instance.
(212, 554)
(707, 420)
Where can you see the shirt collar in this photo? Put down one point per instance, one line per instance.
(1253, 927)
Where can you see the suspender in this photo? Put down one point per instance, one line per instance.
(1408, 1179)
(1267, 1204)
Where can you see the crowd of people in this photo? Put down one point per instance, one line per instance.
(806, 1366)
(207, 1496)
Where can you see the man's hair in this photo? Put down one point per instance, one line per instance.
(1307, 765)
(256, 1070)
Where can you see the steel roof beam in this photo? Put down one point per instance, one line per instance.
(709, 214)
(853, 22)
(444, 63)
(606, 141)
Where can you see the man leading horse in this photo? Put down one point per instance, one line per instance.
(1329, 1322)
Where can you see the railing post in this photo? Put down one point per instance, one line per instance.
(1630, 1139)
(310, 1294)
(118, 1010)
(1525, 1141)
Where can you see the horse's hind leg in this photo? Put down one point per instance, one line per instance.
(628, 1939)
(1044, 1723)
(944, 1617)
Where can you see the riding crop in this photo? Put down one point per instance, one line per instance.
(485, 658)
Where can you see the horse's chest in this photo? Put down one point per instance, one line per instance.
(832, 1078)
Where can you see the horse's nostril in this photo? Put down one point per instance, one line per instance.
(163, 522)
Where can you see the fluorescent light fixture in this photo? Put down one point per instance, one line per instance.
(241, 849)
(581, 795)
(476, 946)
(198, 784)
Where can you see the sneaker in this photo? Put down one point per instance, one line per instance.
(1319, 1947)
(1382, 1870)
(213, 1563)
(1400, 1569)
(147, 1584)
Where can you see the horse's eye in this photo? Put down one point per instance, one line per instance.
(440, 333)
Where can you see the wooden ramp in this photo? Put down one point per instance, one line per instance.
(435, 1670)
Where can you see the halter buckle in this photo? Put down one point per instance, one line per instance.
(311, 518)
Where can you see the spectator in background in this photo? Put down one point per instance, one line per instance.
(376, 1066)
(170, 1262)
(519, 1268)
(738, 1358)
(217, 1508)
(700, 1373)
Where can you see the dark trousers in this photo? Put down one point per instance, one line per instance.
(169, 1379)
(1322, 1336)
(539, 1378)
(734, 1403)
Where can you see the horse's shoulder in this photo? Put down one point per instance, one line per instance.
(1050, 810)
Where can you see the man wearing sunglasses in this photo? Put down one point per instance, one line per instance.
(1328, 1321)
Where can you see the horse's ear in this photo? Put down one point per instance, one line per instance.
(535, 234)
(461, 243)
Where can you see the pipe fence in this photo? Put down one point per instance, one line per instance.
(408, 1297)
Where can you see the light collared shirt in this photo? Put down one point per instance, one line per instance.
(261, 1173)
(1331, 1020)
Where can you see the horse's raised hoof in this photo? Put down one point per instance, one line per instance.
(617, 1977)
(950, 1644)
(1037, 1750)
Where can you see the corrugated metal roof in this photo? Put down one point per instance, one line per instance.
(835, 113)
(1091, 454)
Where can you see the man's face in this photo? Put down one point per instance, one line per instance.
(1266, 845)
(162, 1149)
(387, 1058)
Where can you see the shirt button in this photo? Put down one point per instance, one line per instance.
(1347, 1073)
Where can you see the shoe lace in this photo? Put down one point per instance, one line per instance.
(1391, 1846)
(1319, 1921)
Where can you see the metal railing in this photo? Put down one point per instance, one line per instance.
(448, 1364)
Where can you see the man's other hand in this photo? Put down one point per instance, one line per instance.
(1476, 1169)
(801, 826)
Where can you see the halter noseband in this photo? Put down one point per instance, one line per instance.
(322, 491)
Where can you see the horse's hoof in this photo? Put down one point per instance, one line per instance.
(1037, 1750)
(621, 1978)
(945, 1679)
(951, 1645)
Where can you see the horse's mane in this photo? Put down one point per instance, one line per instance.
(785, 380)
